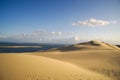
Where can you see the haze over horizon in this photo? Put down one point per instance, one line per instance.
(59, 21)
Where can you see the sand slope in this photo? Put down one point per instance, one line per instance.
(96, 56)
(29, 67)
(92, 60)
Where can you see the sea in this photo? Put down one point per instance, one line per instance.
(43, 46)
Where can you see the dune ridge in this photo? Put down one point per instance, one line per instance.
(96, 56)
(100, 44)
(91, 45)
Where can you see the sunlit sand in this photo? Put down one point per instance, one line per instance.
(92, 60)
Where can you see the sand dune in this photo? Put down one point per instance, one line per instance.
(29, 67)
(105, 45)
(94, 55)
(91, 45)
(92, 60)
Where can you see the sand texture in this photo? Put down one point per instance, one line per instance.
(92, 60)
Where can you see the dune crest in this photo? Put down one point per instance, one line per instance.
(91, 45)
(99, 44)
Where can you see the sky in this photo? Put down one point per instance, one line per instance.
(59, 21)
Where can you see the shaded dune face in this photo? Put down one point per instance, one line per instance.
(30, 67)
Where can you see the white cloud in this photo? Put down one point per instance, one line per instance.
(44, 36)
(114, 22)
(60, 33)
(34, 34)
(56, 33)
(76, 38)
(93, 22)
(3, 37)
(53, 32)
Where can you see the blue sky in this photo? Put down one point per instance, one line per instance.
(60, 21)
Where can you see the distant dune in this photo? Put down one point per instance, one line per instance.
(94, 55)
(91, 45)
(92, 60)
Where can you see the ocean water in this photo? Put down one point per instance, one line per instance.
(27, 49)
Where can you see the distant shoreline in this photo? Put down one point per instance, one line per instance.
(20, 46)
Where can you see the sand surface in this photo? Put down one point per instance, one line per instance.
(87, 61)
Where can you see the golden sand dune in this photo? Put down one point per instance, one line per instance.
(92, 60)
(96, 56)
(30, 67)
(88, 45)
(105, 45)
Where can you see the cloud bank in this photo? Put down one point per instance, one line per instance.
(43, 37)
(93, 22)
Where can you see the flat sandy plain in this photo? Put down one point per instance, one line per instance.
(92, 60)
